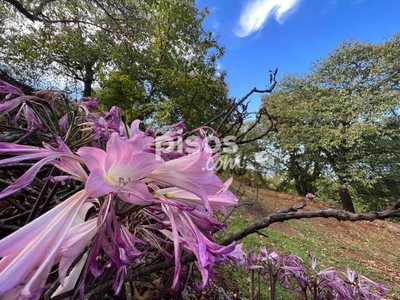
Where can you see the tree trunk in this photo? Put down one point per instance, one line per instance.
(304, 176)
(303, 183)
(345, 196)
(88, 80)
(344, 192)
(297, 185)
(87, 91)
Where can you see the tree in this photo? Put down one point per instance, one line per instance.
(75, 11)
(73, 53)
(74, 49)
(343, 114)
(177, 66)
(171, 61)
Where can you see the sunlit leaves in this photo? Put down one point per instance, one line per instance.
(344, 113)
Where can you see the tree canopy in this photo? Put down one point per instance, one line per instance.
(158, 49)
(341, 121)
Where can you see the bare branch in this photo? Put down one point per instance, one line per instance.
(10, 228)
(39, 16)
(18, 5)
(16, 217)
(235, 106)
(272, 127)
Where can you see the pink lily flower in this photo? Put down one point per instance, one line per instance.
(219, 200)
(113, 246)
(132, 130)
(237, 255)
(9, 89)
(78, 237)
(29, 176)
(29, 253)
(71, 280)
(167, 138)
(191, 173)
(32, 120)
(88, 103)
(119, 169)
(80, 234)
(7, 106)
(139, 139)
(62, 158)
(185, 233)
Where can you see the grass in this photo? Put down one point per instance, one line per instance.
(240, 276)
(367, 247)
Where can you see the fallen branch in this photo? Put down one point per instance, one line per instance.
(294, 214)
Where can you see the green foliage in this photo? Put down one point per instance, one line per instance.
(251, 163)
(120, 90)
(158, 50)
(279, 184)
(68, 52)
(178, 66)
(341, 121)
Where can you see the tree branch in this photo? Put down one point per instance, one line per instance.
(292, 213)
(41, 17)
(236, 105)
(18, 5)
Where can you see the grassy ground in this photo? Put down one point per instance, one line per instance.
(371, 248)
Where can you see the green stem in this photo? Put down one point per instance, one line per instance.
(252, 285)
(272, 281)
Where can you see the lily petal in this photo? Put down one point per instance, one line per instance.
(24, 252)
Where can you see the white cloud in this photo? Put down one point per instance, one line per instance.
(215, 24)
(256, 13)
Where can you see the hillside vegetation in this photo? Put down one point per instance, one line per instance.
(367, 247)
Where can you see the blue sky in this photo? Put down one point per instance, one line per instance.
(262, 35)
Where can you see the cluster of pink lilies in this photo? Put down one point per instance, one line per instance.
(138, 195)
